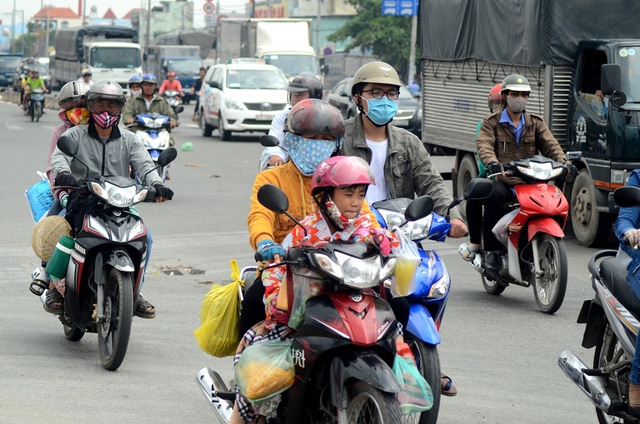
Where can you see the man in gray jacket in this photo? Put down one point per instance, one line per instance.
(106, 150)
(400, 163)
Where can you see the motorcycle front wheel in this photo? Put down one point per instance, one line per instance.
(368, 405)
(428, 363)
(113, 333)
(550, 287)
(37, 111)
(607, 349)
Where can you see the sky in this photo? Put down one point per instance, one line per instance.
(119, 7)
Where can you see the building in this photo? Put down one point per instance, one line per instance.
(168, 17)
(62, 17)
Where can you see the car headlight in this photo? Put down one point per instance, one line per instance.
(233, 105)
(540, 171)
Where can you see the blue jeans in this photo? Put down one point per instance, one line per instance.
(634, 283)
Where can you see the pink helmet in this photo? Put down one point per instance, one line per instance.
(341, 171)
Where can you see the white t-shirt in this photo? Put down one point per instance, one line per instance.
(380, 191)
(148, 102)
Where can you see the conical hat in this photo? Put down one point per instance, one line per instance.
(46, 234)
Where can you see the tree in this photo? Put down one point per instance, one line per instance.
(387, 36)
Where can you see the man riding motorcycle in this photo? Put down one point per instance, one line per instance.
(108, 150)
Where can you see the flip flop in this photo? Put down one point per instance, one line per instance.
(446, 386)
(469, 255)
(54, 297)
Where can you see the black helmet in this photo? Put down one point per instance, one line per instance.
(305, 82)
(106, 90)
(313, 116)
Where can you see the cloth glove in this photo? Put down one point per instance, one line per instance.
(278, 314)
(633, 236)
(163, 191)
(495, 168)
(381, 240)
(66, 179)
(571, 169)
(268, 249)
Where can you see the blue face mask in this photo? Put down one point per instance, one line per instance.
(382, 111)
(308, 154)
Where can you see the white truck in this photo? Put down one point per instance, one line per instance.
(108, 52)
(284, 43)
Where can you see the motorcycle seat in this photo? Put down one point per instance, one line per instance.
(614, 276)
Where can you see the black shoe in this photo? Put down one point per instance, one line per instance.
(493, 261)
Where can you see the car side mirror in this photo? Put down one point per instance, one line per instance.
(214, 84)
(610, 78)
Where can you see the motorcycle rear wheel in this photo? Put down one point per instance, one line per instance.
(73, 334)
(428, 362)
(607, 348)
(368, 405)
(113, 334)
(551, 287)
(493, 287)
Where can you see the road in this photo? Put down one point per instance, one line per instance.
(501, 352)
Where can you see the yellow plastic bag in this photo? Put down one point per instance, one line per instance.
(218, 334)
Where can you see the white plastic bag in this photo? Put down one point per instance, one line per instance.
(500, 229)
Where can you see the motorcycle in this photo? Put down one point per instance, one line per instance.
(156, 136)
(175, 101)
(533, 234)
(36, 104)
(612, 321)
(345, 347)
(428, 302)
(107, 261)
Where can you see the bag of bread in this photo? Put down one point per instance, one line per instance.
(264, 370)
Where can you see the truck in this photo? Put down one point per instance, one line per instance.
(9, 64)
(185, 61)
(284, 43)
(569, 51)
(338, 66)
(108, 52)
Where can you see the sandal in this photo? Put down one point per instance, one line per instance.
(446, 386)
(145, 309)
(38, 287)
(470, 251)
(54, 303)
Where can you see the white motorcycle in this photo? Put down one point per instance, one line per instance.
(155, 135)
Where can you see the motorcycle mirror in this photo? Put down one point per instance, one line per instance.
(478, 188)
(273, 198)
(179, 109)
(269, 141)
(419, 208)
(627, 197)
(68, 146)
(167, 156)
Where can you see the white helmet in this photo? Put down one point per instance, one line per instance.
(73, 94)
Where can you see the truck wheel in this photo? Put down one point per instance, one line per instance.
(591, 227)
(205, 128)
(467, 171)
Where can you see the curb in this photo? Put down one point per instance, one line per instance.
(50, 100)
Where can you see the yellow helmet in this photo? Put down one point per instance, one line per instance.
(375, 72)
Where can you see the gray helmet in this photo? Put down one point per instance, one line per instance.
(313, 116)
(374, 72)
(106, 90)
(304, 82)
(515, 82)
(73, 94)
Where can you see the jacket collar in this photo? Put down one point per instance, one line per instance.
(360, 139)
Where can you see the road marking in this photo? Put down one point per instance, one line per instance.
(14, 127)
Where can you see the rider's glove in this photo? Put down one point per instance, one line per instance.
(65, 179)
(162, 191)
(571, 169)
(268, 249)
(495, 168)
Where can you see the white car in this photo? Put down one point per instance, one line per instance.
(241, 96)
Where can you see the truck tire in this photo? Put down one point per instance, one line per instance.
(467, 171)
(590, 226)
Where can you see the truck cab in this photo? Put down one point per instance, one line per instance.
(113, 60)
(605, 128)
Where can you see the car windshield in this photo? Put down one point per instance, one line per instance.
(251, 79)
(43, 69)
(115, 57)
(292, 65)
(9, 62)
(629, 59)
(190, 66)
(405, 94)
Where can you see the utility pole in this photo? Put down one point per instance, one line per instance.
(22, 31)
(13, 28)
(41, 22)
(147, 35)
(84, 12)
(46, 43)
(412, 48)
(318, 22)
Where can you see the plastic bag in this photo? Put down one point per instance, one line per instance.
(265, 370)
(306, 284)
(500, 229)
(39, 197)
(416, 395)
(404, 281)
(218, 334)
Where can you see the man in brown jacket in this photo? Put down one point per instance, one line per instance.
(506, 136)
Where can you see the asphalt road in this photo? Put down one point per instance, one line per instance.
(501, 352)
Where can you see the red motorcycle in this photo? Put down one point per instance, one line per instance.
(533, 232)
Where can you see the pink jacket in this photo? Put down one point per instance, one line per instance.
(57, 133)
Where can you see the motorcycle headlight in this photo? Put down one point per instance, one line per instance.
(388, 269)
(328, 265)
(415, 230)
(118, 196)
(540, 171)
(440, 288)
(392, 218)
(352, 272)
(231, 104)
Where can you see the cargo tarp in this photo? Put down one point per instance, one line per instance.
(205, 40)
(520, 32)
(69, 41)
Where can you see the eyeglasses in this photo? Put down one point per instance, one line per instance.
(519, 93)
(378, 93)
(110, 106)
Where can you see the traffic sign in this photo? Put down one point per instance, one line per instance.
(400, 7)
(208, 7)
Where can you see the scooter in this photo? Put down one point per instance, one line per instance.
(612, 321)
(107, 261)
(428, 302)
(345, 346)
(36, 104)
(156, 136)
(533, 234)
(173, 98)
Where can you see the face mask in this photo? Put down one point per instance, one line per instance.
(105, 119)
(516, 104)
(381, 111)
(337, 217)
(135, 92)
(78, 115)
(307, 154)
